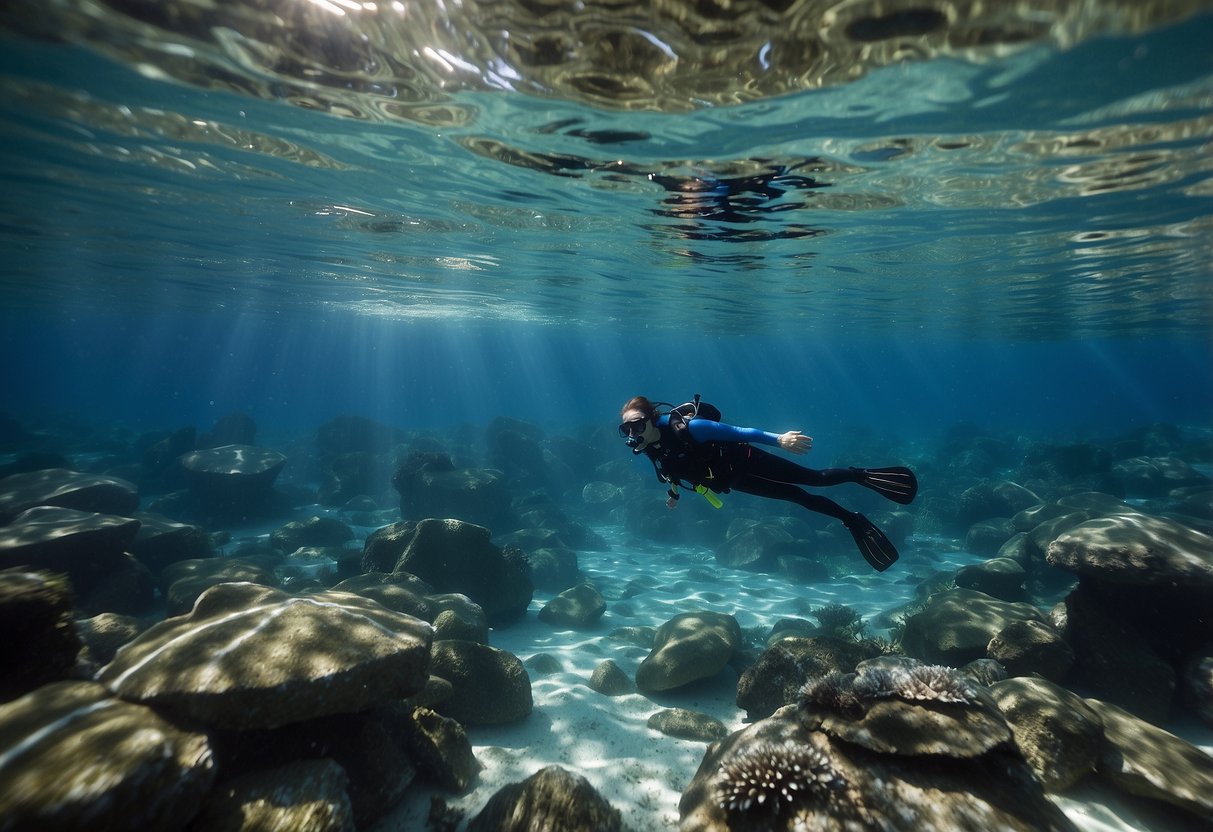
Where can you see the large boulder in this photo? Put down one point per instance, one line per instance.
(1145, 760)
(1136, 549)
(776, 678)
(454, 556)
(184, 580)
(162, 541)
(248, 656)
(85, 546)
(689, 647)
(552, 798)
(233, 483)
(66, 489)
(430, 486)
(956, 626)
(303, 796)
(76, 758)
(489, 686)
(579, 607)
(40, 645)
(1059, 734)
(892, 748)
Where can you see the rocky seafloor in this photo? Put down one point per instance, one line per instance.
(208, 631)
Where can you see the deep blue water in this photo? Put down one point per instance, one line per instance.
(1015, 238)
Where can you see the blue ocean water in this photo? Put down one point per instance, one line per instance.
(1018, 239)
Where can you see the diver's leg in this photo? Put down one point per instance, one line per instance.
(770, 467)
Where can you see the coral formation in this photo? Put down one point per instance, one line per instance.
(773, 776)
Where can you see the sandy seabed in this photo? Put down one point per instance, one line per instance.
(605, 739)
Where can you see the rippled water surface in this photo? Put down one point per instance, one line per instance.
(1037, 171)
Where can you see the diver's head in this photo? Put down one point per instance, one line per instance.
(639, 426)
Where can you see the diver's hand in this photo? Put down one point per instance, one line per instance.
(795, 442)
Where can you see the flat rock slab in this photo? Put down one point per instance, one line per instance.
(66, 489)
(249, 656)
(82, 544)
(1136, 549)
(234, 461)
(73, 757)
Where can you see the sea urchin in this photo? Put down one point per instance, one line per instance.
(772, 776)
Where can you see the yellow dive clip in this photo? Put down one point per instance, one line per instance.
(709, 496)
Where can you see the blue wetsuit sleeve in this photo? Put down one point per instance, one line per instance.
(705, 430)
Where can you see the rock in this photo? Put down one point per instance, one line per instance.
(490, 686)
(1030, 647)
(579, 607)
(303, 796)
(76, 758)
(916, 748)
(988, 536)
(399, 591)
(185, 580)
(314, 531)
(546, 664)
(1198, 685)
(233, 483)
(249, 656)
(553, 567)
(1136, 549)
(688, 725)
(610, 680)
(459, 619)
(754, 547)
(103, 634)
(956, 626)
(552, 798)
(987, 500)
(232, 429)
(688, 647)
(40, 645)
(1059, 734)
(1114, 660)
(161, 541)
(1147, 761)
(453, 556)
(1001, 578)
(473, 495)
(59, 487)
(85, 546)
(1146, 476)
(776, 678)
(441, 749)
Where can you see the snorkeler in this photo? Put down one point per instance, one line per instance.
(691, 448)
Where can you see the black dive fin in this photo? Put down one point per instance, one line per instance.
(898, 484)
(876, 549)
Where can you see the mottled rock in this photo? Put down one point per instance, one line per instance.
(609, 679)
(1114, 660)
(1145, 760)
(1147, 476)
(1001, 578)
(754, 547)
(489, 686)
(459, 618)
(776, 678)
(185, 580)
(314, 531)
(474, 495)
(91, 493)
(552, 798)
(579, 607)
(947, 763)
(40, 645)
(401, 592)
(76, 758)
(453, 556)
(440, 748)
(1136, 549)
(1198, 685)
(233, 482)
(83, 545)
(956, 626)
(1059, 734)
(161, 541)
(688, 725)
(688, 647)
(1031, 647)
(303, 796)
(249, 656)
(103, 634)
